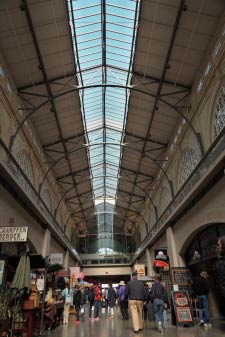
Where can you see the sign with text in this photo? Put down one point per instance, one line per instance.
(140, 269)
(56, 258)
(13, 234)
(181, 276)
(182, 308)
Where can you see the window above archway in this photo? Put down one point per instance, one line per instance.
(25, 164)
(188, 161)
(219, 114)
(166, 198)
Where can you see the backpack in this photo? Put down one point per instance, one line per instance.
(156, 291)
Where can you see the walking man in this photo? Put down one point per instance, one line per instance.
(158, 297)
(135, 292)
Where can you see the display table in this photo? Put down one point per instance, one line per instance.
(32, 318)
(28, 316)
(53, 315)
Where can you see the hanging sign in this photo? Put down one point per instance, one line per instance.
(13, 234)
(56, 258)
(161, 259)
(181, 276)
(140, 269)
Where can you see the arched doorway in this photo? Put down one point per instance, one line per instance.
(201, 255)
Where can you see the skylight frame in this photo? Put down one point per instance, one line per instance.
(112, 67)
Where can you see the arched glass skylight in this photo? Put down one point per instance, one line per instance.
(104, 35)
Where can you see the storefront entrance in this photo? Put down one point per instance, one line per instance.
(201, 255)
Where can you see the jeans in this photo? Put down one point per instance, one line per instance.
(158, 309)
(124, 309)
(96, 308)
(90, 308)
(203, 304)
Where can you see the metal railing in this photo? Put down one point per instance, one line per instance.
(13, 169)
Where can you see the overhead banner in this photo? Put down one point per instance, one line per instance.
(13, 234)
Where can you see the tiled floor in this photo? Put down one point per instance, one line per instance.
(119, 328)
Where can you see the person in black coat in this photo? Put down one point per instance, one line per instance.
(135, 293)
(201, 289)
(77, 300)
(220, 268)
(111, 298)
(158, 297)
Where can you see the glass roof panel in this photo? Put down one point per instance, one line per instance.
(104, 36)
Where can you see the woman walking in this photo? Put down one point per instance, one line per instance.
(111, 298)
(123, 302)
(67, 295)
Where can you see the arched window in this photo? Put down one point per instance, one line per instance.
(152, 216)
(188, 161)
(219, 114)
(165, 199)
(25, 164)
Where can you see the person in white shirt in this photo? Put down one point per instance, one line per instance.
(67, 295)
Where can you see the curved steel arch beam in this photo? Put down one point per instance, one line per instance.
(196, 134)
(120, 215)
(159, 166)
(148, 196)
(138, 214)
(97, 144)
(55, 163)
(93, 215)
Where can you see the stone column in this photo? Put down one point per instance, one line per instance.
(175, 258)
(149, 263)
(45, 251)
(66, 259)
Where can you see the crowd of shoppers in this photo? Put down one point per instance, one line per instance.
(137, 297)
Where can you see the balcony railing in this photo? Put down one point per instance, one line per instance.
(13, 169)
(207, 163)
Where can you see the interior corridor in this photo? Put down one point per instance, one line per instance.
(118, 328)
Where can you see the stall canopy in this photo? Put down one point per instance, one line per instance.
(158, 263)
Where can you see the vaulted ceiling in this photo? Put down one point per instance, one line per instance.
(103, 82)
